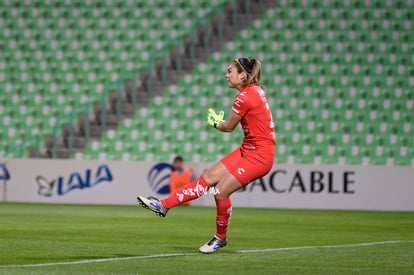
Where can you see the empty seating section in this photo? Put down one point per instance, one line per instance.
(339, 76)
(58, 54)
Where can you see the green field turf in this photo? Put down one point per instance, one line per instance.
(99, 239)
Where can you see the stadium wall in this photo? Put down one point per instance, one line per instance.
(286, 186)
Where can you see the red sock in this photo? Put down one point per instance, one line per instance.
(223, 217)
(186, 193)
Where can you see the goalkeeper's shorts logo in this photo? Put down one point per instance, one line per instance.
(240, 170)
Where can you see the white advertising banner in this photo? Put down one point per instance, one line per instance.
(286, 186)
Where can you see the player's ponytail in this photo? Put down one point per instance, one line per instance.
(251, 67)
(254, 76)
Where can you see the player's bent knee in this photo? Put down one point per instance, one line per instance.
(214, 174)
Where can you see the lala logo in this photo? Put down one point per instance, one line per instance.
(75, 180)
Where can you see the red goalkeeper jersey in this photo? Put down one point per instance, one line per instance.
(257, 121)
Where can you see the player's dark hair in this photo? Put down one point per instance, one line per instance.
(178, 158)
(251, 66)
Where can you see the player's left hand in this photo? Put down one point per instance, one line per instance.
(214, 119)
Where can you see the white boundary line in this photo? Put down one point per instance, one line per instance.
(154, 256)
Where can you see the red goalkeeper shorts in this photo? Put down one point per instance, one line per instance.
(249, 165)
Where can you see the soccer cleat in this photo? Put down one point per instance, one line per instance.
(154, 205)
(212, 246)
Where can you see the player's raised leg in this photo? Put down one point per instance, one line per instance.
(187, 193)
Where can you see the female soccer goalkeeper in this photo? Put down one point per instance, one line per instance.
(252, 160)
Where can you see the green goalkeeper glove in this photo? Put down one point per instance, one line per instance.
(214, 119)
